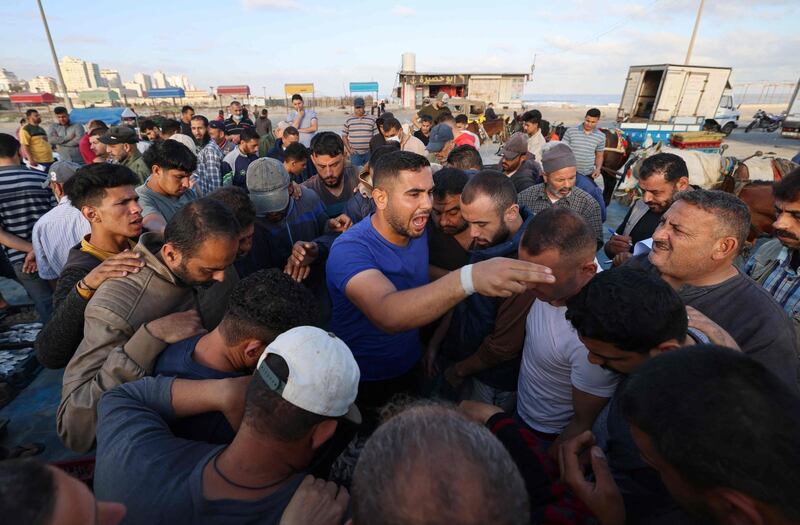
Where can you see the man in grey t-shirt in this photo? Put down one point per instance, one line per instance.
(305, 120)
(169, 186)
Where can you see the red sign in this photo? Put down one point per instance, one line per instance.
(33, 98)
(233, 90)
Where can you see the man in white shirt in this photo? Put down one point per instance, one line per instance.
(559, 393)
(61, 228)
(531, 120)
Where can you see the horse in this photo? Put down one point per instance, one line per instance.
(615, 154)
(490, 129)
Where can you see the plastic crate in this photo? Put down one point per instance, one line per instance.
(711, 144)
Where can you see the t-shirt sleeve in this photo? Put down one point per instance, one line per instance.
(147, 204)
(346, 128)
(24, 137)
(347, 259)
(590, 378)
(601, 143)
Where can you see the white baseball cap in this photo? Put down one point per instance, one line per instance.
(323, 374)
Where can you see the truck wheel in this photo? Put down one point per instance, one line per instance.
(727, 129)
(750, 126)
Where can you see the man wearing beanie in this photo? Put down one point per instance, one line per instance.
(558, 189)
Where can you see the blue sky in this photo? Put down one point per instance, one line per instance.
(582, 46)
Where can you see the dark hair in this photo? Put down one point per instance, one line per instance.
(445, 116)
(426, 118)
(170, 155)
(391, 123)
(249, 133)
(290, 130)
(60, 110)
(732, 214)
(27, 492)
(201, 118)
(594, 113)
(721, 420)
(671, 166)
(170, 126)
(327, 143)
(199, 221)
(30, 112)
(561, 229)
(380, 151)
(462, 119)
(238, 201)
(264, 305)
(296, 151)
(465, 157)
(493, 184)
(271, 415)
(147, 124)
(98, 130)
(235, 103)
(184, 109)
(297, 96)
(449, 181)
(436, 445)
(788, 188)
(630, 309)
(533, 115)
(89, 184)
(388, 167)
(9, 146)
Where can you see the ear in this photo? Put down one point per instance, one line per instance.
(170, 254)
(381, 198)
(323, 432)
(731, 506)
(589, 269)
(724, 248)
(666, 346)
(252, 352)
(523, 157)
(682, 183)
(91, 214)
(511, 213)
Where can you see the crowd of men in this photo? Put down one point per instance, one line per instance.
(263, 324)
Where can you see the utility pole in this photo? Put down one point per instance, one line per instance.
(63, 86)
(694, 33)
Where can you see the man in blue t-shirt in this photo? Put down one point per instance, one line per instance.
(263, 305)
(377, 276)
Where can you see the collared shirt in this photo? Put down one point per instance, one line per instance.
(359, 131)
(35, 138)
(535, 143)
(779, 279)
(54, 235)
(536, 200)
(585, 146)
(22, 202)
(209, 168)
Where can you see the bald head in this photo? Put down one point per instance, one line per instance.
(408, 470)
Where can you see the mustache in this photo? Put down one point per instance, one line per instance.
(663, 245)
(785, 233)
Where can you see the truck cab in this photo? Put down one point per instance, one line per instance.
(726, 119)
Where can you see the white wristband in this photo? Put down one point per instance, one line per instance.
(466, 279)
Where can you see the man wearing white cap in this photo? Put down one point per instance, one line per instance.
(58, 230)
(305, 383)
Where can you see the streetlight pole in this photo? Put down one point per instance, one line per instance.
(694, 33)
(63, 86)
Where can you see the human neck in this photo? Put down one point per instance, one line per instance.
(252, 461)
(386, 231)
(464, 238)
(514, 226)
(212, 351)
(108, 241)
(716, 276)
(5, 161)
(151, 183)
(551, 196)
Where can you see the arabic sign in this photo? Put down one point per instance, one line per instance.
(291, 89)
(428, 80)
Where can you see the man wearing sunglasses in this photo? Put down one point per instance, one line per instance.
(660, 177)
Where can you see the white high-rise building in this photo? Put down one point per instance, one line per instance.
(111, 78)
(174, 81)
(144, 81)
(134, 86)
(93, 72)
(160, 80)
(75, 74)
(8, 80)
(42, 85)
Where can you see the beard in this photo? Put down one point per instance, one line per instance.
(500, 236)
(454, 230)
(402, 226)
(331, 182)
(182, 273)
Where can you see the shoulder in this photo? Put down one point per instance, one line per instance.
(309, 198)
(118, 298)
(768, 251)
(585, 197)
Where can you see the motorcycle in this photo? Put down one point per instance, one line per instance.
(764, 120)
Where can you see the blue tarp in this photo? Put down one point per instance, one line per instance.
(363, 87)
(172, 92)
(111, 116)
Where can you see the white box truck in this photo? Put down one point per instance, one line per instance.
(665, 98)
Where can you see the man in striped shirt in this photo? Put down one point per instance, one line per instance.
(357, 132)
(587, 143)
(22, 201)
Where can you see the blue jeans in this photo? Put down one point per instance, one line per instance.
(359, 159)
(39, 291)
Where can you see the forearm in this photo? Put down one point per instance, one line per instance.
(192, 397)
(598, 160)
(26, 154)
(436, 272)
(72, 139)
(409, 309)
(12, 241)
(60, 337)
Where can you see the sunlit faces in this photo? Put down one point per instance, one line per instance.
(511, 165)
(571, 274)
(407, 202)
(118, 212)
(97, 147)
(658, 193)
(559, 184)
(330, 169)
(249, 147)
(487, 225)
(206, 264)
(120, 152)
(446, 214)
(198, 129)
(590, 123)
(787, 223)
(173, 182)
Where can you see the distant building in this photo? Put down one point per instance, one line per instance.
(111, 78)
(503, 89)
(42, 85)
(134, 87)
(9, 81)
(93, 73)
(144, 80)
(79, 74)
(160, 80)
